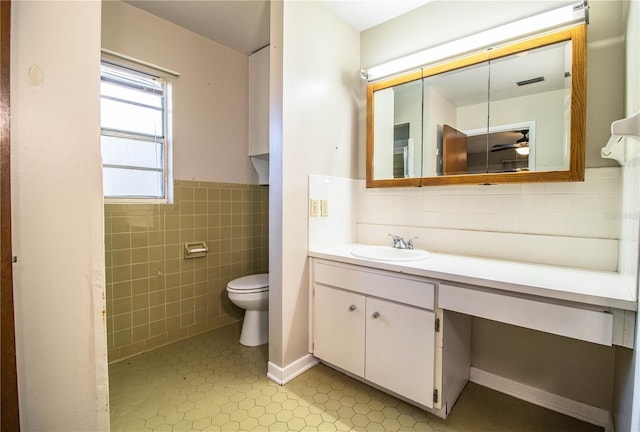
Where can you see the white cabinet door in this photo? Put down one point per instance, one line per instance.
(338, 327)
(400, 349)
(259, 102)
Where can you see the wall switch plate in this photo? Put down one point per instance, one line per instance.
(313, 208)
(324, 208)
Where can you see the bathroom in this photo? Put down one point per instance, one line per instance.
(49, 243)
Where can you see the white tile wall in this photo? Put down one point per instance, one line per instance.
(589, 209)
(339, 226)
(630, 229)
(574, 224)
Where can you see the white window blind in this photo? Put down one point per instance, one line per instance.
(133, 119)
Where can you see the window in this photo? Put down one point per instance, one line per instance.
(133, 120)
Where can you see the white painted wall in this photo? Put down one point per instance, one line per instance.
(627, 382)
(320, 97)
(277, 339)
(57, 217)
(210, 98)
(632, 55)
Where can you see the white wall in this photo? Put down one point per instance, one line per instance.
(320, 97)
(277, 339)
(57, 217)
(605, 76)
(627, 390)
(339, 226)
(210, 98)
(589, 209)
(633, 106)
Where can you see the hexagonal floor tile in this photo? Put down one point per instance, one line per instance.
(210, 382)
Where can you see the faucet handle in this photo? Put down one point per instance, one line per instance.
(396, 240)
(410, 242)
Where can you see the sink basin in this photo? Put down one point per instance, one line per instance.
(388, 253)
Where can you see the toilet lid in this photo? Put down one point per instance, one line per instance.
(251, 283)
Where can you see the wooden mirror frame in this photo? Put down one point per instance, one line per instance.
(577, 35)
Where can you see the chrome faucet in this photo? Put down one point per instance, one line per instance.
(401, 243)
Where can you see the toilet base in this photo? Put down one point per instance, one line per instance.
(255, 328)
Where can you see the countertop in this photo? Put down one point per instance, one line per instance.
(590, 287)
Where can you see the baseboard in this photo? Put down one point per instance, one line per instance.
(284, 375)
(561, 404)
(149, 349)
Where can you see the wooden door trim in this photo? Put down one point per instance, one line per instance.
(9, 411)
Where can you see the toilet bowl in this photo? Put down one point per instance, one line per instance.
(252, 294)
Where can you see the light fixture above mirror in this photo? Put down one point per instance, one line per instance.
(556, 19)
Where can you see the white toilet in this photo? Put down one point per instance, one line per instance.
(252, 294)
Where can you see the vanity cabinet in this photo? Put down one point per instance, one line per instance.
(387, 343)
(421, 332)
(400, 349)
(382, 327)
(339, 330)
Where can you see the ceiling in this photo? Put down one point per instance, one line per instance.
(243, 25)
(364, 14)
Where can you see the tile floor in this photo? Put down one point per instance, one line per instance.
(211, 383)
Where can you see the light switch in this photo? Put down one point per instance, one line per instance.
(313, 208)
(324, 208)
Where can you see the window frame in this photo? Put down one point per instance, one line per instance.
(134, 69)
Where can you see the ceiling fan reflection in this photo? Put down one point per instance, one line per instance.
(521, 146)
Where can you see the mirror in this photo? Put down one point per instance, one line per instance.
(510, 114)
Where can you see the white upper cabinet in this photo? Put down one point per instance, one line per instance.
(259, 102)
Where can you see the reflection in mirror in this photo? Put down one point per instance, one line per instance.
(446, 97)
(398, 138)
(533, 84)
(536, 85)
(511, 114)
(512, 148)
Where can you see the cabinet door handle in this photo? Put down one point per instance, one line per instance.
(375, 314)
(352, 308)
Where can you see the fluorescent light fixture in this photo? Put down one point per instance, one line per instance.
(562, 17)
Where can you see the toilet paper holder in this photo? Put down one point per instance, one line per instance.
(195, 249)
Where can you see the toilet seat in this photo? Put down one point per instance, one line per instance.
(249, 284)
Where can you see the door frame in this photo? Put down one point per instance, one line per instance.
(9, 407)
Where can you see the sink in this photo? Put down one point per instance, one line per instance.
(388, 253)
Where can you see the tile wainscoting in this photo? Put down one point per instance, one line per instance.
(154, 295)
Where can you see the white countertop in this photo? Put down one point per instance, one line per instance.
(590, 287)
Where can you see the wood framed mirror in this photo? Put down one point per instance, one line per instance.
(510, 114)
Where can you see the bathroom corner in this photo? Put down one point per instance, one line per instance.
(154, 295)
